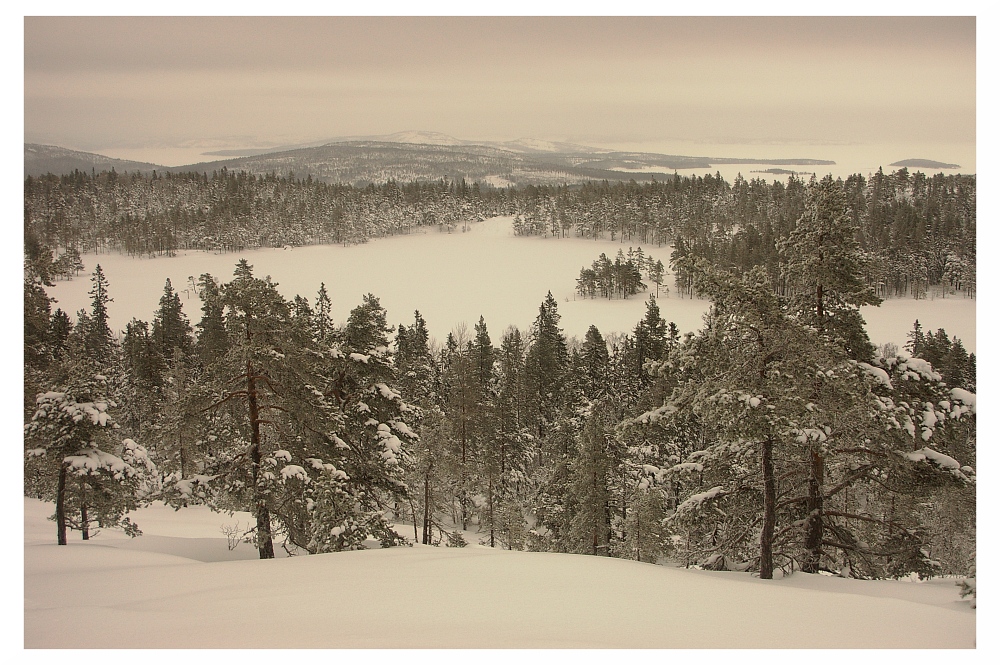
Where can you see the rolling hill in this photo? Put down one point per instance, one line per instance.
(414, 155)
(41, 159)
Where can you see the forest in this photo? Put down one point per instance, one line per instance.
(776, 438)
(913, 230)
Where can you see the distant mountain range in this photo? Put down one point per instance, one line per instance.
(413, 155)
(42, 159)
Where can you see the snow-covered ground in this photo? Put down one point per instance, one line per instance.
(455, 278)
(179, 586)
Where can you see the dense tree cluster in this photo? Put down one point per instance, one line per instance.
(226, 211)
(912, 230)
(622, 278)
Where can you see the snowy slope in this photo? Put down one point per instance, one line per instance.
(178, 586)
(455, 278)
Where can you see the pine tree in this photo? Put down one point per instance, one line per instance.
(73, 459)
(769, 407)
(822, 268)
(144, 368)
(415, 367)
(37, 317)
(489, 444)
(650, 339)
(59, 330)
(513, 438)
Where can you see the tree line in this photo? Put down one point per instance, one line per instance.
(914, 231)
(774, 438)
(160, 214)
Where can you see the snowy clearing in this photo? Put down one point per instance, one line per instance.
(185, 588)
(453, 278)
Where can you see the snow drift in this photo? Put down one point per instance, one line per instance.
(179, 586)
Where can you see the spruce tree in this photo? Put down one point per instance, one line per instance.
(322, 321)
(374, 435)
(546, 364)
(590, 471)
(171, 329)
(594, 354)
(98, 340)
(213, 341)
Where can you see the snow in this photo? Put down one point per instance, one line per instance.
(694, 501)
(881, 376)
(92, 460)
(942, 460)
(454, 278)
(964, 396)
(893, 319)
(183, 586)
(294, 471)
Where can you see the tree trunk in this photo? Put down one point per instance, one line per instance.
(426, 536)
(180, 439)
(814, 503)
(61, 506)
(819, 305)
(84, 518)
(492, 536)
(638, 532)
(265, 544)
(770, 497)
(463, 498)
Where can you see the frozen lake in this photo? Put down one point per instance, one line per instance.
(455, 278)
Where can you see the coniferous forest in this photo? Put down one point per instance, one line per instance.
(912, 230)
(775, 438)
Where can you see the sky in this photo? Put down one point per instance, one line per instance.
(104, 83)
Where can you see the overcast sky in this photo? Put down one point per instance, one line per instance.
(93, 83)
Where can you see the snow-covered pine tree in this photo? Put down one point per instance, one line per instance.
(258, 396)
(415, 368)
(375, 433)
(322, 322)
(762, 397)
(73, 457)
